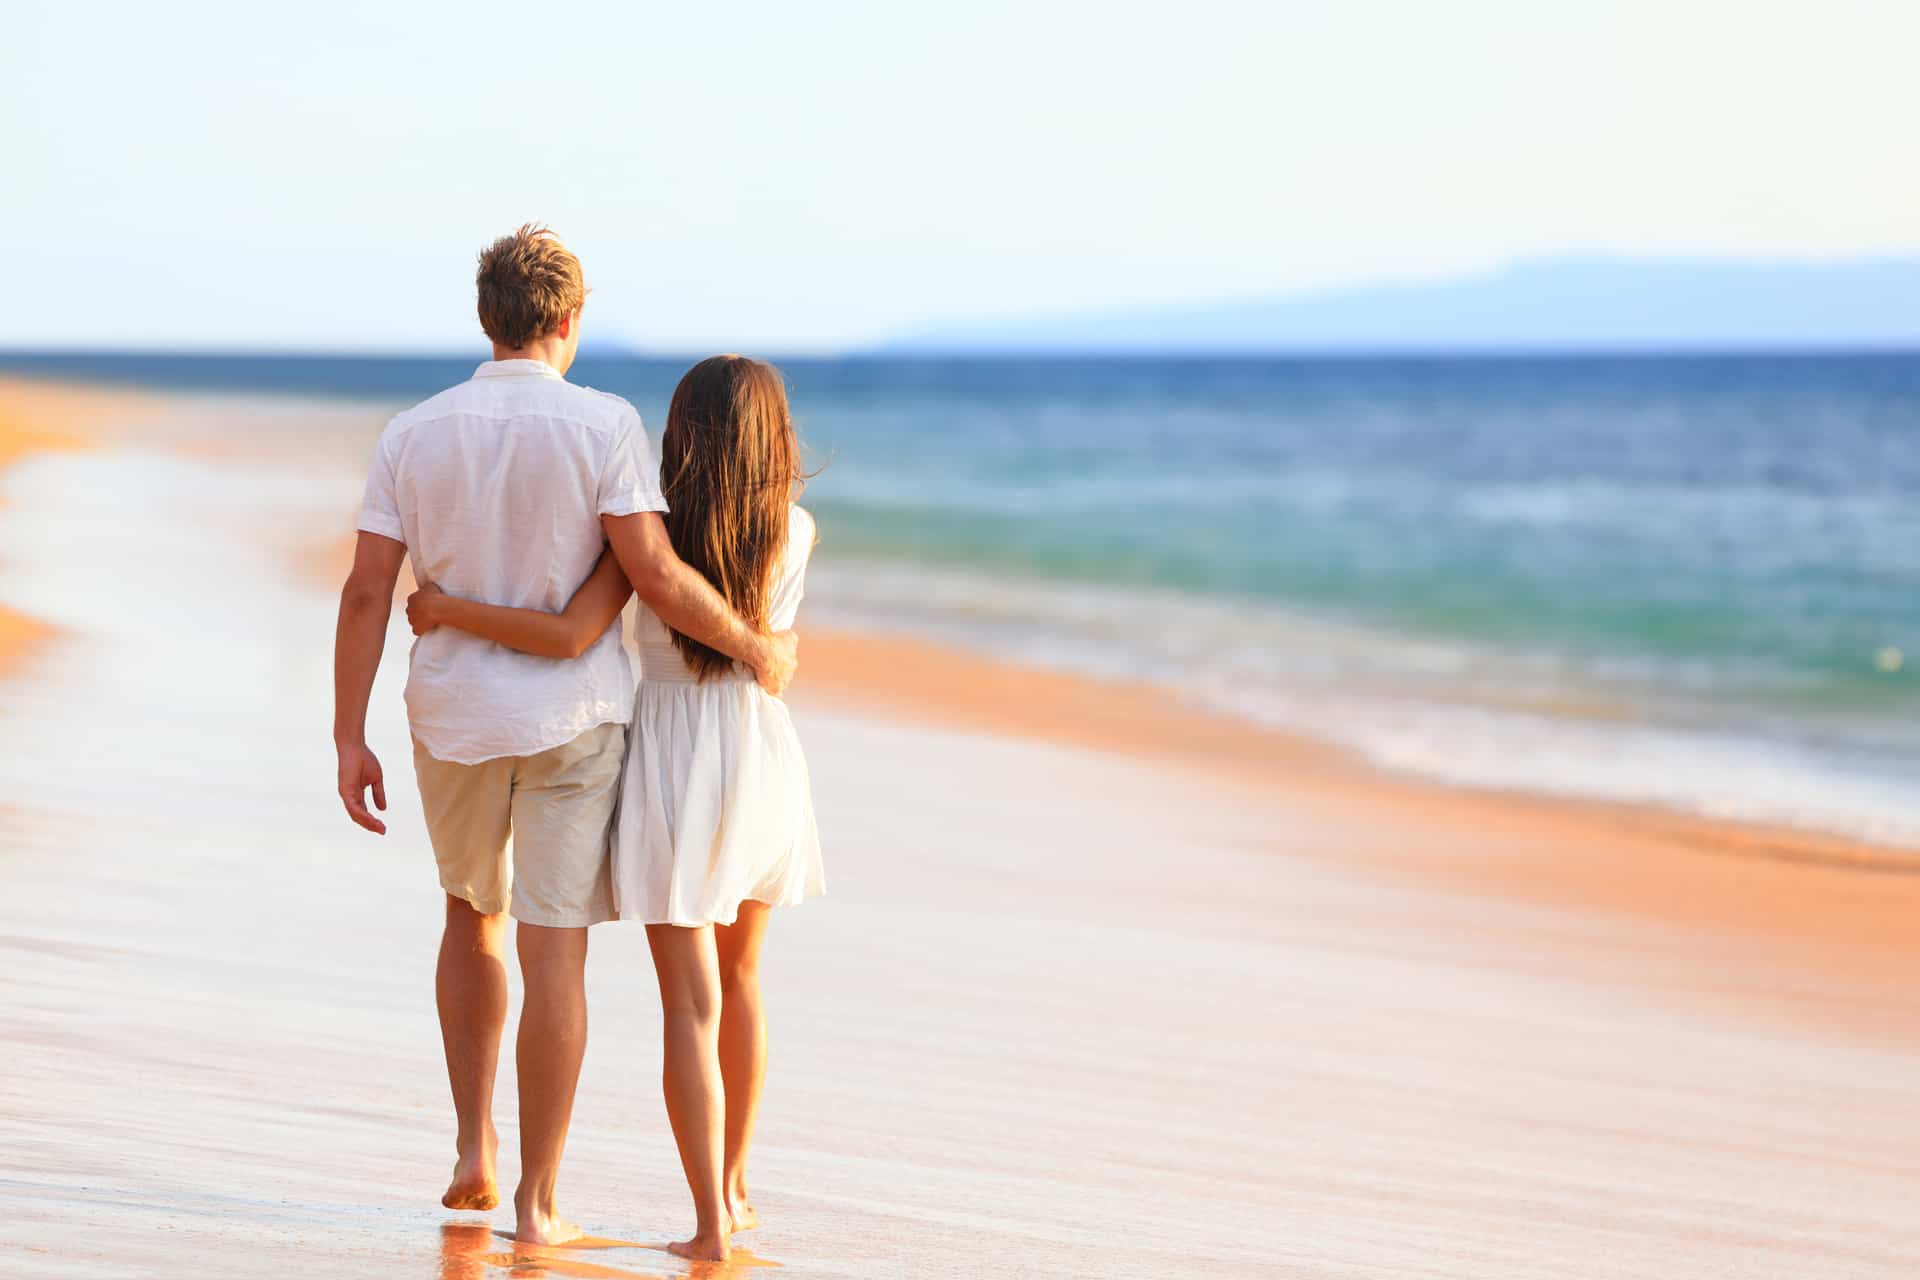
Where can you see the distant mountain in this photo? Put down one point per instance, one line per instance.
(1558, 304)
(609, 346)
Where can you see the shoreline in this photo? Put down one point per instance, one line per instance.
(907, 677)
(1825, 904)
(868, 667)
(1245, 1002)
(1139, 719)
(913, 679)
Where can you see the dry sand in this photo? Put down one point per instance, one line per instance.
(1104, 987)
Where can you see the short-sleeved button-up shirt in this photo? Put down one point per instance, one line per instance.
(497, 486)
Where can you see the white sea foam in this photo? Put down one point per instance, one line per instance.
(1613, 729)
(1715, 774)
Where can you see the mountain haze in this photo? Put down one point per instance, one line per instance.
(1559, 304)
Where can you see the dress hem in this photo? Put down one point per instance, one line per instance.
(638, 917)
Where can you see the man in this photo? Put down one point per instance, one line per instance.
(506, 489)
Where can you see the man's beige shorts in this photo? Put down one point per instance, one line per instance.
(557, 807)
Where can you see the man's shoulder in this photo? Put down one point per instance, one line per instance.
(447, 402)
(617, 408)
(600, 411)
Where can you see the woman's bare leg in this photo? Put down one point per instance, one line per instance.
(743, 1047)
(685, 963)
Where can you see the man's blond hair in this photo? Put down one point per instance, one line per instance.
(528, 282)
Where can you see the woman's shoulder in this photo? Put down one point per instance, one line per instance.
(802, 533)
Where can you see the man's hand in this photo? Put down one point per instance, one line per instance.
(360, 769)
(366, 602)
(422, 613)
(780, 659)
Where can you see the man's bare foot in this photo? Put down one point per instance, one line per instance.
(537, 1225)
(473, 1185)
(707, 1247)
(742, 1215)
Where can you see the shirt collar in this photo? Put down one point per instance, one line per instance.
(516, 369)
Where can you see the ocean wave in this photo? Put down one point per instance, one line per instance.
(1696, 737)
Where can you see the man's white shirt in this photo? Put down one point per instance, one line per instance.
(497, 486)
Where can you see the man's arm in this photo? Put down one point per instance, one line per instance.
(687, 602)
(365, 604)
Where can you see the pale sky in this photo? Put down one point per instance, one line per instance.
(803, 177)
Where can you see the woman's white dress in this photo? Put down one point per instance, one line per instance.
(715, 808)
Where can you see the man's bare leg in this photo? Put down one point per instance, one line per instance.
(743, 1047)
(470, 988)
(553, 1041)
(689, 976)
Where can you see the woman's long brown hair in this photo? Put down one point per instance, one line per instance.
(730, 463)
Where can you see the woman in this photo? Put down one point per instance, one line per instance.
(716, 816)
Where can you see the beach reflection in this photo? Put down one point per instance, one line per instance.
(474, 1251)
(464, 1247)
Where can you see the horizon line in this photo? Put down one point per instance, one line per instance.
(891, 354)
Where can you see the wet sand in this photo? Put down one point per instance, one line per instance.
(1099, 990)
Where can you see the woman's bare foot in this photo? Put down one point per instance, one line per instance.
(742, 1215)
(542, 1224)
(473, 1181)
(708, 1246)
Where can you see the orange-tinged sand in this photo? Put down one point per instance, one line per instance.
(49, 416)
(1810, 900)
(36, 418)
(19, 637)
(916, 677)
(325, 562)
(39, 418)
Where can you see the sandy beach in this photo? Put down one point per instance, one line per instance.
(1105, 986)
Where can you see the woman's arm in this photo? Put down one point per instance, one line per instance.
(548, 635)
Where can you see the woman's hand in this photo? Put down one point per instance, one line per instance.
(423, 609)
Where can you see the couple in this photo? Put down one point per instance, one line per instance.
(554, 790)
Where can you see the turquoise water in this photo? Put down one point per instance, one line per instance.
(1689, 580)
